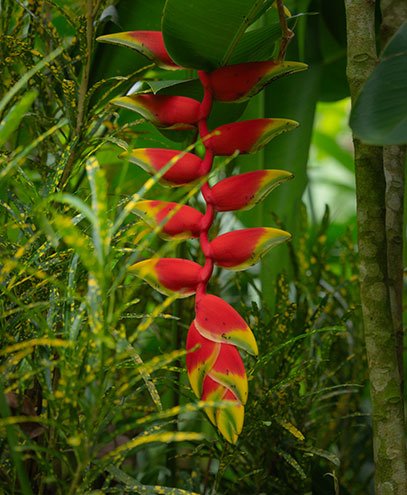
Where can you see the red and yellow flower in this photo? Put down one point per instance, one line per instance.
(180, 169)
(217, 333)
(176, 221)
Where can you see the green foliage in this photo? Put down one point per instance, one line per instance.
(93, 393)
(380, 112)
(212, 42)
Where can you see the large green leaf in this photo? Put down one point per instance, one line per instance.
(380, 113)
(203, 34)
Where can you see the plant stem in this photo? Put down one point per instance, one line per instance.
(83, 88)
(387, 402)
(287, 34)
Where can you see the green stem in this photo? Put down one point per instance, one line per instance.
(287, 34)
(387, 402)
(83, 88)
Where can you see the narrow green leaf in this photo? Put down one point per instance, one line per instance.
(159, 86)
(323, 453)
(13, 118)
(293, 463)
(98, 187)
(74, 239)
(144, 439)
(28, 75)
(19, 155)
(136, 487)
(77, 203)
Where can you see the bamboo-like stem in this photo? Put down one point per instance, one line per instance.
(394, 13)
(387, 402)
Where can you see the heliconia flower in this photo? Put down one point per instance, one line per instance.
(148, 43)
(215, 367)
(242, 192)
(216, 320)
(229, 419)
(200, 360)
(169, 275)
(169, 112)
(247, 136)
(228, 370)
(185, 167)
(240, 249)
(242, 81)
(222, 362)
(184, 224)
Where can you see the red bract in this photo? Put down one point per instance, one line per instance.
(202, 353)
(149, 43)
(183, 168)
(242, 192)
(242, 81)
(228, 370)
(228, 419)
(169, 112)
(241, 249)
(222, 362)
(218, 321)
(177, 222)
(247, 136)
(169, 275)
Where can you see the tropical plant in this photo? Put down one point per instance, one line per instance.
(94, 390)
(215, 368)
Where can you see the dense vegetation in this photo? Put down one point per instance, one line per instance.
(94, 395)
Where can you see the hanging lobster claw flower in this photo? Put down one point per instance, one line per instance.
(169, 275)
(216, 320)
(200, 360)
(183, 224)
(222, 362)
(184, 168)
(247, 136)
(148, 43)
(243, 248)
(240, 82)
(228, 370)
(242, 192)
(228, 419)
(164, 111)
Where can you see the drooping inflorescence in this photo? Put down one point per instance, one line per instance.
(217, 333)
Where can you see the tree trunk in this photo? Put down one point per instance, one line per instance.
(394, 13)
(387, 401)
